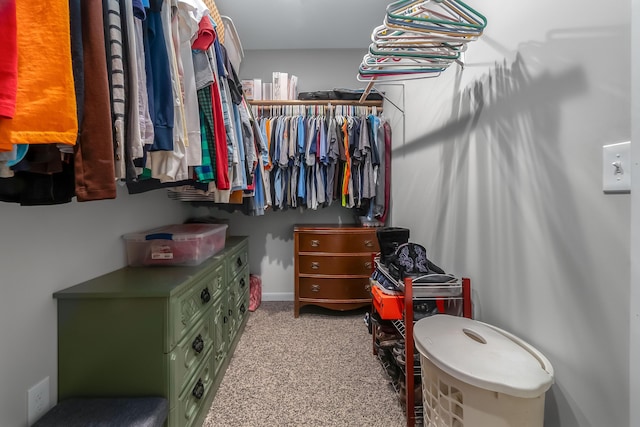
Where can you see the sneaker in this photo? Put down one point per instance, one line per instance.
(390, 342)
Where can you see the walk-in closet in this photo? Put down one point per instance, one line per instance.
(249, 213)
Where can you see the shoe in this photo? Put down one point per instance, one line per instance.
(388, 342)
(398, 351)
(387, 329)
(382, 336)
(393, 371)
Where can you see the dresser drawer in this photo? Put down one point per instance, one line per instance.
(188, 354)
(334, 288)
(243, 305)
(237, 261)
(217, 281)
(335, 265)
(187, 308)
(240, 283)
(191, 400)
(220, 325)
(360, 242)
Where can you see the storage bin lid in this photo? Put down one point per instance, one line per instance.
(177, 232)
(483, 355)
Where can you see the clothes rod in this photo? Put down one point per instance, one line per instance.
(275, 103)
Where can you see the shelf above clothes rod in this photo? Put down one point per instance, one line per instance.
(264, 103)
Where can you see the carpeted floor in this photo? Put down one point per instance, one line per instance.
(316, 370)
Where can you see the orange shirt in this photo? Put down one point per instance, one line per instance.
(347, 165)
(45, 102)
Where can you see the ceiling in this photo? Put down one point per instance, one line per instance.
(304, 24)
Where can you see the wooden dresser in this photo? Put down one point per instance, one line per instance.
(332, 266)
(155, 331)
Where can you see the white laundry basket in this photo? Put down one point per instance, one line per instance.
(477, 375)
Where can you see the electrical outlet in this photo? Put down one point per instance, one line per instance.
(38, 402)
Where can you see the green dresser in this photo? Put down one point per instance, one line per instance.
(155, 331)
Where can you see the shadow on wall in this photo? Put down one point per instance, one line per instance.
(508, 201)
(555, 399)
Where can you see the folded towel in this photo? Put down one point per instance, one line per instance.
(9, 55)
(46, 104)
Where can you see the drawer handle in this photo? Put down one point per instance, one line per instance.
(198, 390)
(315, 243)
(315, 288)
(224, 320)
(198, 344)
(242, 309)
(368, 243)
(205, 296)
(230, 312)
(239, 262)
(368, 265)
(315, 265)
(242, 283)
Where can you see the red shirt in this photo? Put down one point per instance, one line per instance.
(9, 55)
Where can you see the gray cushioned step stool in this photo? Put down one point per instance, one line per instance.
(107, 412)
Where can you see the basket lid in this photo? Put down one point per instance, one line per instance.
(483, 355)
(177, 232)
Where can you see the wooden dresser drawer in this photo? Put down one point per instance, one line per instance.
(338, 242)
(188, 308)
(334, 288)
(194, 395)
(237, 261)
(188, 354)
(217, 281)
(240, 283)
(335, 265)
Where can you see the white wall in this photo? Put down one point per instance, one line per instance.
(317, 69)
(634, 300)
(501, 166)
(48, 248)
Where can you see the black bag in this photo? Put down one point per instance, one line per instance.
(389, 238)
(356, 94)
(319, 95)
(339, 95)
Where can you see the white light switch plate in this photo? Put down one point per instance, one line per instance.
(616, 168)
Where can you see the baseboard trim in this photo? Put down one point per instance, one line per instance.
(277, 296)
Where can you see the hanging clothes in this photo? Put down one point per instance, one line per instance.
(164, 108)
(44, 63)
(311, 160)
(9, 55)
(93, 155)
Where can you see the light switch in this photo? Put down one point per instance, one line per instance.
(616, 168)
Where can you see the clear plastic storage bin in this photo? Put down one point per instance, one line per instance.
(176, 244)
(477, 375)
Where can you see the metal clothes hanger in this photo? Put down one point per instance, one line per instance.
(419, 39)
